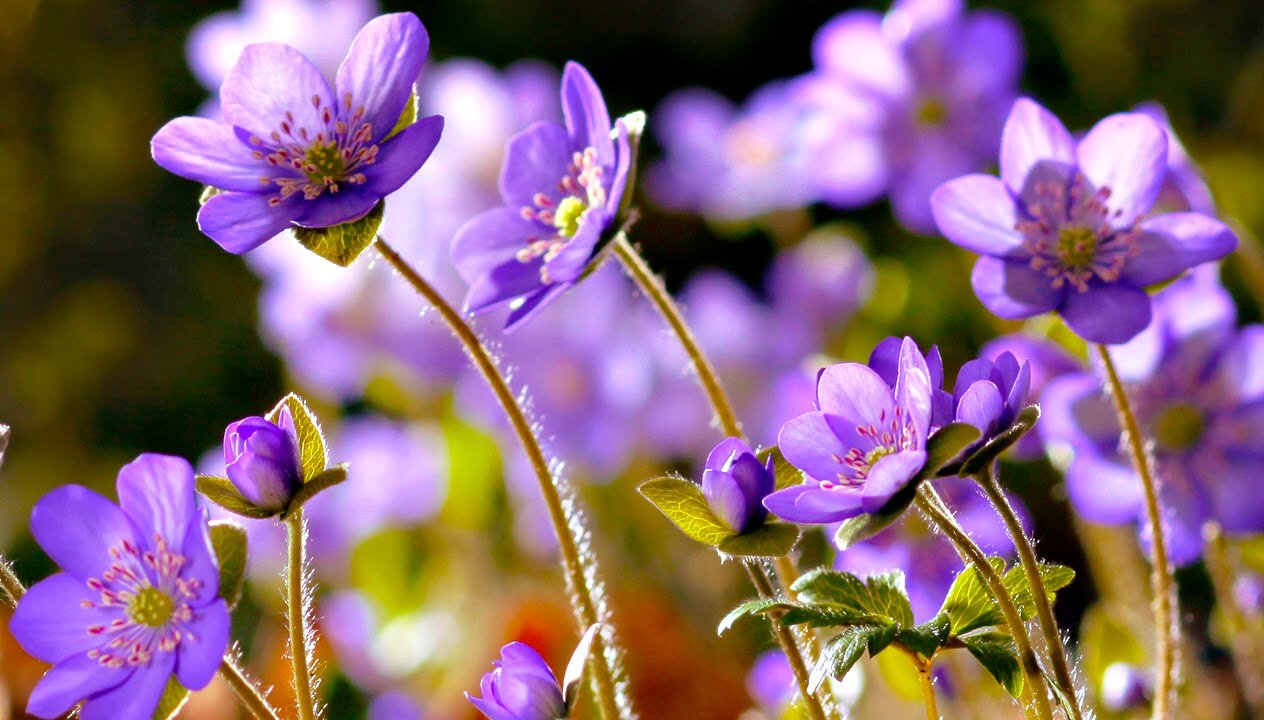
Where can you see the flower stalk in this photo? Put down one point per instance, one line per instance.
(298, 613)
(1245, 645)
(785, 638)
(1162, 581)
(250, 696)
(928, 691)
(578, 573)
(9, 582)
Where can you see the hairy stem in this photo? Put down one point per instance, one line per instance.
(10, 584)
(1031, 567)
(578, 574)
(298, 614)
(1245, 644)
(1162, 581)
(933, 507)
(251, 697)
(928, 691)
(785, 638)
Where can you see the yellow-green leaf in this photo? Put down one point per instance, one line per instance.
(228, 539)
(342, 244)
(311, 441)
(770, 540)
(684, 504)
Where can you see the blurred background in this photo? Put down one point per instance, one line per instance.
(123, 330)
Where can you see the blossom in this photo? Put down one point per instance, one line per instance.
(1045, 361)
(562, 186)
(262, 460)
(907, 100)
(294, 150)
(1198, 395)
(735, 484)
(1184, 188)
(862, 445)
(1065, 227)
(1125, 687)
(989, 394)
(521, 687)
(136, 600)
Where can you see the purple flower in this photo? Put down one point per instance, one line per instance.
(989, 394)
(1183, 189)
(908, 100)
(735, 484)
(1045, 362)
(770, 682)
(1125, 687)
(1198, 393)
(862, 445)
(521, 687)
(293, 149)
(562, 186)
(262, 460)
(1065, 227)
(136, 601)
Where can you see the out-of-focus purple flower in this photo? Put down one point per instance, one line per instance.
(395, 705)
(136, 601)
(735, 484)
(770, 682)
(1046, 361)
(1195, 382)
(813, 288)
(862, 445)
(521, 687)
(908, 100)
(1065, 227)
(1125, 687)
(989, 394)
(262, 460)
(293, 149)
(562, 186)
(728, 163)
(1248, 593)
(1184, 189)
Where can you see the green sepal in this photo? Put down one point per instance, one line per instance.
(228, 540)
(172, 700)
(945, 446)
(785, 475)
(311, 440)
(770, 540)
(222, 492)
(406, 118)
(323, 481)
(684, 504)
(992, 449)
(634, 122)
(995, 651)
(342, 244)
(840, 654)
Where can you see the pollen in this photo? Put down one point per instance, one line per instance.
(566, 217)
(1179, 427)
(1077, 247)
(931, 112)
(151, 607)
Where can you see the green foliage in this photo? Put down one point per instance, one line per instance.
(945, 445)
(321, 482)
(969, 604)
(770, 540)
(222, 492)
(342, 244)
(751, 607)
(888, 598)
(228, 540)
(995, 651)
(1054, 577)
(986, 455)
(172, 700)
(311, 440)
(840, 654)
(684, 504)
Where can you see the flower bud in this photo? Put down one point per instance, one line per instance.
(735, 484)
(520, 687)
(262, 460)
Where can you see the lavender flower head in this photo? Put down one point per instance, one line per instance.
(990, 394)
(295, 150)
(1198, 394)
(136, 600)
(562, 186)
(521, 687)
(907, 100)
(1066, 227)
(862, 445)
(735, 484)
(262, 460)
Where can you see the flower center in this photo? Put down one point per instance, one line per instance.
(878, 453)
(1179, 426)
(151, 607)
(1077, 246)
(892, 433)
(324, 163)
(931, 112)
(566, 218)
(583, 189)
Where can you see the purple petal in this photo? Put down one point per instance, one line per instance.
(970, 373)
(241, 222)
(890, 475)
(1127, 153)
(509, 280)
(1237, 496)
(533, 304)
(885, 359)
(1173, 243)
(1103, 490)
(77, 527)
(978, 213)
(536, 159)
(725, 452)
(913, 388)
(71, 681)
(808, 503)
(981, 406)
(587, 120)
(490, 708)
(50, 622)
(404, 154)
(1107, 314)
(989, 52)
(622, 169)
(726, 499)
(210, 153)
(810, 444)
(202, 564)
(1240, 367)
(853, 48)
(349, 204)
(157, 492)
(569, 263)
(491, 239)
(1032, 135)
(383, 63)
(910, 194)
(137, 697)
(1012, 290)
(269, 81)
(203, 646)
(855, 394)
(1077, 413)
(908, 18)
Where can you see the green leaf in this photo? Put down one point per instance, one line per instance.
(342, 244)
(824, 585)
(926, 639)
(882, 637)
(786, 474)
(228, 539)
(1055, 577)
(996, 653)
(829, 616)
(323, 481)
(888, 597)
(945, 445)
(406, 118)
(750, 607)
(769, 540)
(986, 455)
(172, 700)
(839, 655)
(684, 504)
(222, 492)
(311, 441)
(575, 668)
(969, 604)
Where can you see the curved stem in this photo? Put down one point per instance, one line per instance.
(1161, 579)
(578, 574)
(251, 697)
(654, 290)
(928, 691)
(298, 614)
(1244, 643)
(785, 638)
(10, 584)
(1031, 567)
(974, 555)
